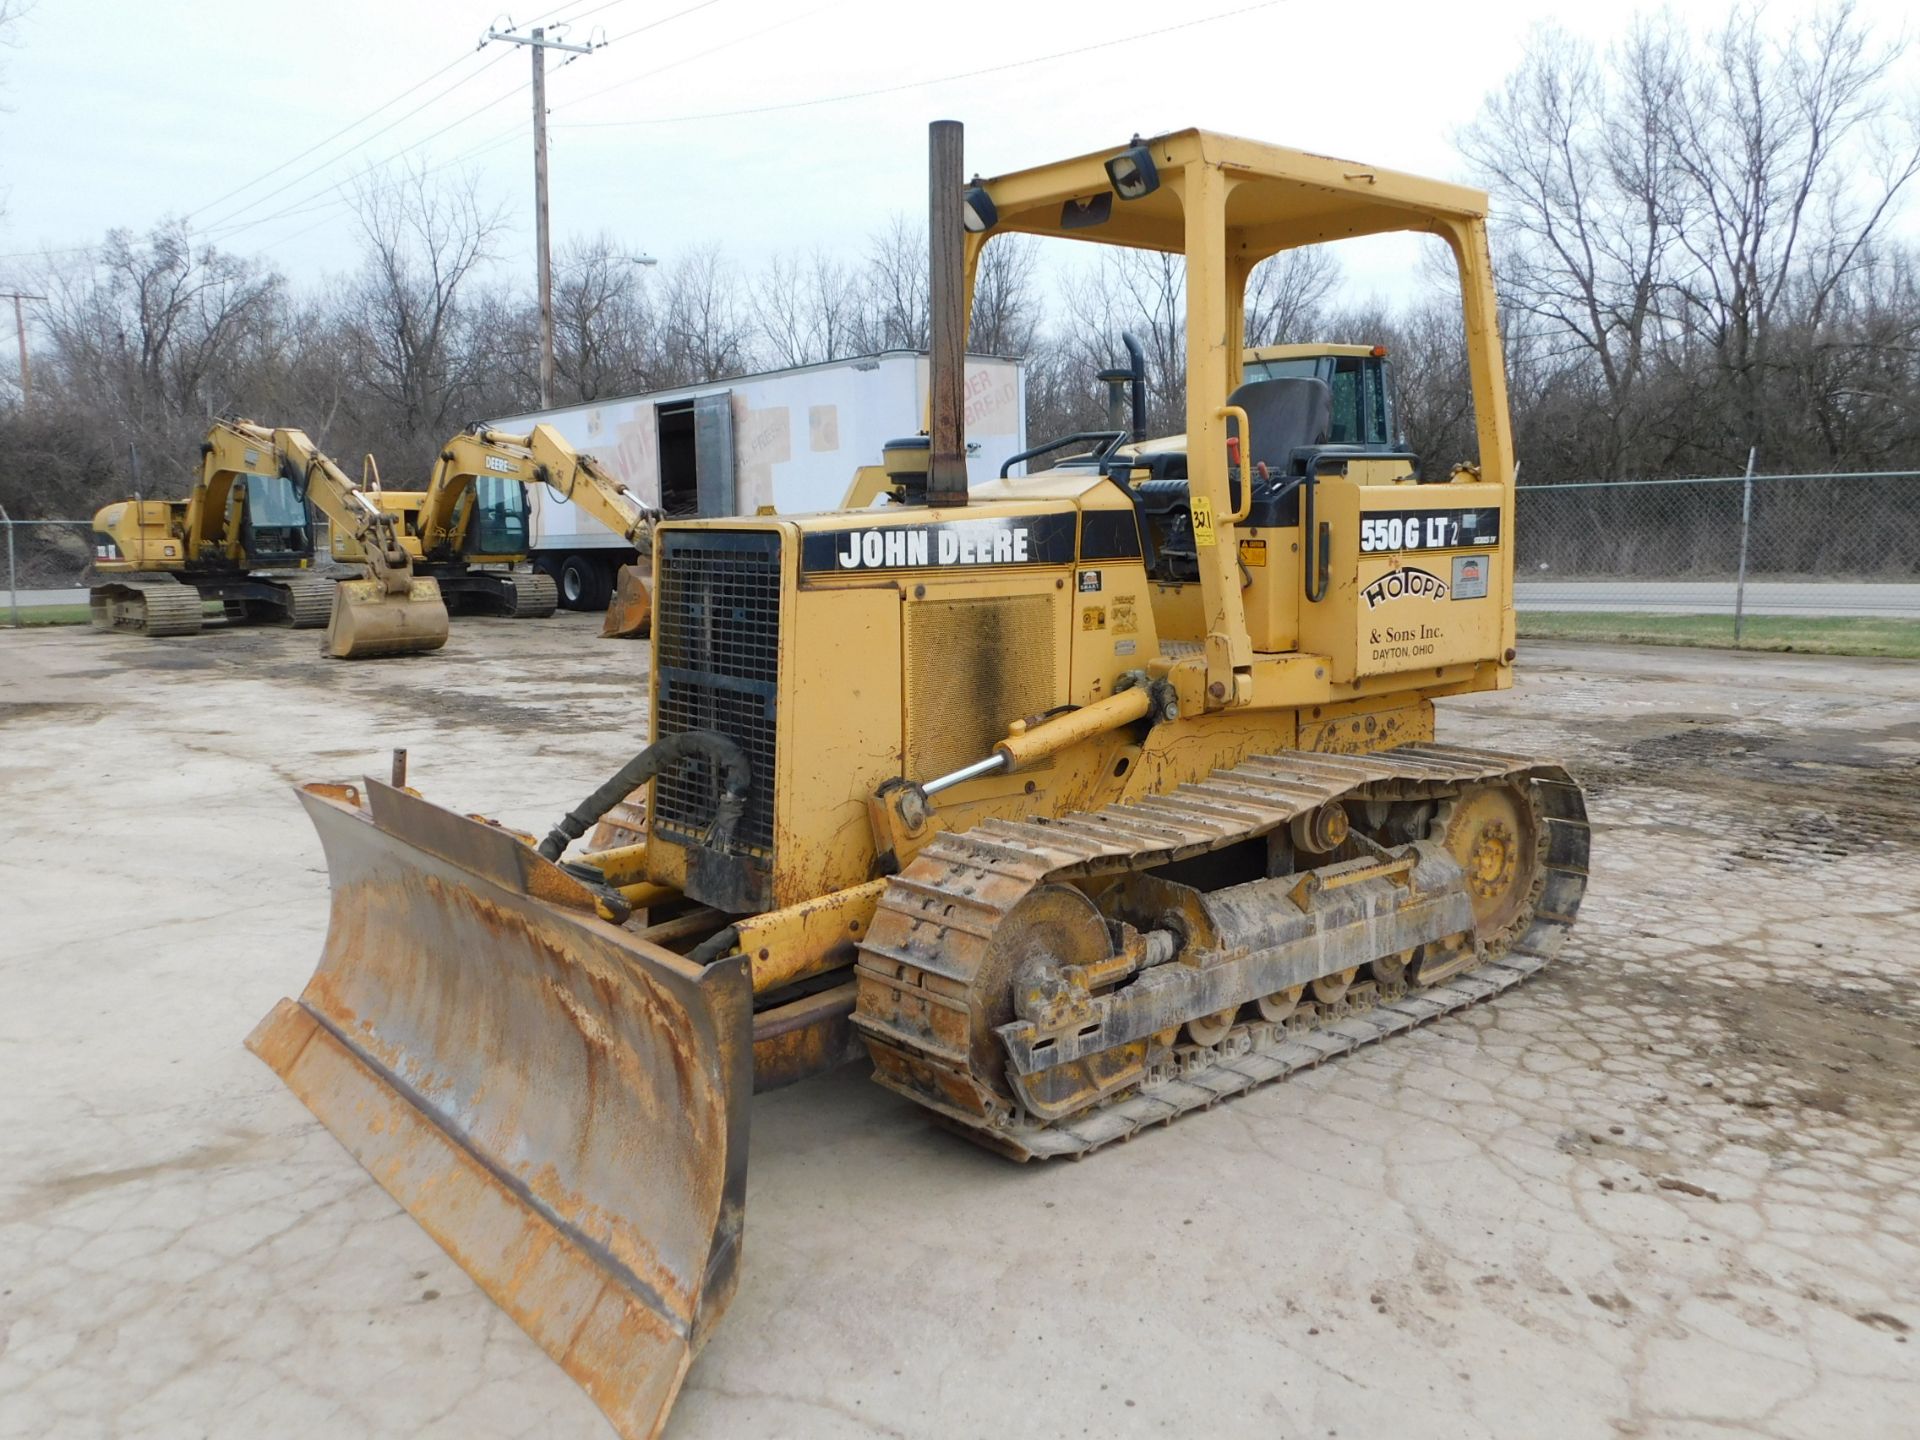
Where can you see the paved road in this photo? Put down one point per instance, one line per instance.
(1715, 597)
(30, 598)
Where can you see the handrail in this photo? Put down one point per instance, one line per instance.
(1113, 439)
(1235, 412)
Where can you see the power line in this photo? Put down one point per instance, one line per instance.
(698, 54)
(306, 205)
(368, 140)
(302, 208)
(917, 84)
(652, 24)
(538, 43)
(344, 129)
(224, 227)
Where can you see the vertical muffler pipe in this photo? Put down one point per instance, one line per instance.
(1136, 383)
(946, 297)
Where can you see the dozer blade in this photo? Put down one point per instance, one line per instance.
(630, 612)
(368, 621)
(561, 1106)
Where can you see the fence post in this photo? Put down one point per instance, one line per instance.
(13, 576)
(1746, 522)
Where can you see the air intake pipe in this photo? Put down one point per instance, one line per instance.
(727, 758)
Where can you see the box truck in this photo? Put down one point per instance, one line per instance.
(785, 440)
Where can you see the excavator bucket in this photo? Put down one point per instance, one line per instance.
(630, 612)
(368, 620)
(561, 1105)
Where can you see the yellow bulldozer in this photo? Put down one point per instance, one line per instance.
(1074, 803)
(244, 538)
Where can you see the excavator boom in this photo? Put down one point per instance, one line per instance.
(448, 518)
(243, 538)
(391, 612)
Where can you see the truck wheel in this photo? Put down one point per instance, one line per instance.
(584, 584)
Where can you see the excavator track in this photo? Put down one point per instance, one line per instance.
(154, 608)
(927, 966)
(309, 600)
(535, 596)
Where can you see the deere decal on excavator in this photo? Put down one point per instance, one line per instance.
(1059, 878)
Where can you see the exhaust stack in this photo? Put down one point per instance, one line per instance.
(946, 298)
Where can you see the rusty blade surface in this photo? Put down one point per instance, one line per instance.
(561, 1106)
(630, 611)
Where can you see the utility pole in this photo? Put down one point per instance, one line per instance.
(20, 330)
(539, 44)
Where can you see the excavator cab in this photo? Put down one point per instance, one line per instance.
(276, 525)
(498, 520)
(1359, 381)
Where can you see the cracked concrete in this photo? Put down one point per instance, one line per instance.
(1670, 1188)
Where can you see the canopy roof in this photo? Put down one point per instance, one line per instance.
(1277, 199)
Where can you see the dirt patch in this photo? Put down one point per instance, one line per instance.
(23, 712)
(1812, 792)
(168, 660)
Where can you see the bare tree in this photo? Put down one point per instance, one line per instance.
(160, 332)
(603, 329)
(406, 309)
(1583, 162)
(895, 314)
(1006, 307)
(809, 308)
(1287, 295)
(706, 334)
(1794, 159)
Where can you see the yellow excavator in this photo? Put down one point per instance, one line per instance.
(469, 525)
(244, 538)
(1068, 828)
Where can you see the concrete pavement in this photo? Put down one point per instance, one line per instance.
(1671, 1188)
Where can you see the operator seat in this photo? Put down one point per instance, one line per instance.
(1289, 419)
(1284, 415)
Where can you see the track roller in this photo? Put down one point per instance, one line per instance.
(535, 596)
(154, 608)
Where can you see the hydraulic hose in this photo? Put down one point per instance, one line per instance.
(725, 756)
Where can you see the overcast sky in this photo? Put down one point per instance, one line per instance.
(119, 112)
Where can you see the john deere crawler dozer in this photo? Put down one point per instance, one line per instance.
(1075, 802)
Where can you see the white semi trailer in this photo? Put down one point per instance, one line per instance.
(786, 439)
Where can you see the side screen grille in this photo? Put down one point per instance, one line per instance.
(716, 628)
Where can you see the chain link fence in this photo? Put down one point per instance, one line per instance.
(1756, 549)
(48, 564)
(1741, 558)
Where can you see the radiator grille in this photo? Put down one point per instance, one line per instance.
(716, 628)
(972, 666)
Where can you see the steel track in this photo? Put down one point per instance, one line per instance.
(937, 919)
